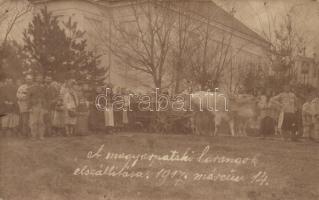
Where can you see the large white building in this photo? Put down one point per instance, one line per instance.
(247, 46)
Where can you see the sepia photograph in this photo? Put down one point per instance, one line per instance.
(159, 99)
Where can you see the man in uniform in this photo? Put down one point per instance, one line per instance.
(288, 101)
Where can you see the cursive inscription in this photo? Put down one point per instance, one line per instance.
(150, 166)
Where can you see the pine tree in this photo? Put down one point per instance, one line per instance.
(11, 60)
(58, 49)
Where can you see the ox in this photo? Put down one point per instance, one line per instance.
(236, 111)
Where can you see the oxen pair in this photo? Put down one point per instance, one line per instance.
(237, 111)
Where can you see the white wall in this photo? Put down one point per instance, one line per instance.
(95, 19)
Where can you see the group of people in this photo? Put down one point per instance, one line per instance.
(269, 113)
(40, 107)
(288, 115)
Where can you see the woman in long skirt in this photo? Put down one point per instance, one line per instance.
(58, 117)
(83, 115)
(96, 118)
(109, 113)
(70, 101)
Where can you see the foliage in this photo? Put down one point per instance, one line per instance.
(59, 50)
(12, 60)
(254, 78)
(181, 46)
(10, 13)
(286, 46)
(303, 91)
(208, 59)
(143, 44)
(10, 54)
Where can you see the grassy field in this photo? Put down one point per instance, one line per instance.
(44, 170)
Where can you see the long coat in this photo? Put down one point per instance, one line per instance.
(70, 101)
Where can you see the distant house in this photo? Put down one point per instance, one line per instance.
(307, 70)
(92, 14)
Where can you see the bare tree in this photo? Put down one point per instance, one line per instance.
(209, 56)
(285, 47)
(286, 41)
(182, 47)
(143, 42)
(10, 13)
(4, 11)
(202, 52)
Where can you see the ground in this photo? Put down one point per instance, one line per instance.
(50, 169)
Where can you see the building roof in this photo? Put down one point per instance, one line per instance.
(207, 8)
(202, 8)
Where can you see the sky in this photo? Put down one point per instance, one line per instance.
(258, 14)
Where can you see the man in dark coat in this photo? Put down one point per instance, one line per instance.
(37, 109)
(50, 97)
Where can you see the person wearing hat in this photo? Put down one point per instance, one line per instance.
(70, 102)
(37, 108)
(23, 104)
(58, 116)
(288, 101)
(266, 119)
(50, 96)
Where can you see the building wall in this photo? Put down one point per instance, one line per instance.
(96, 20)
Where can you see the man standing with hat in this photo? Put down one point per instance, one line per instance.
(37, 109)
(288, 101)
(23, 104)
(50, 98)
